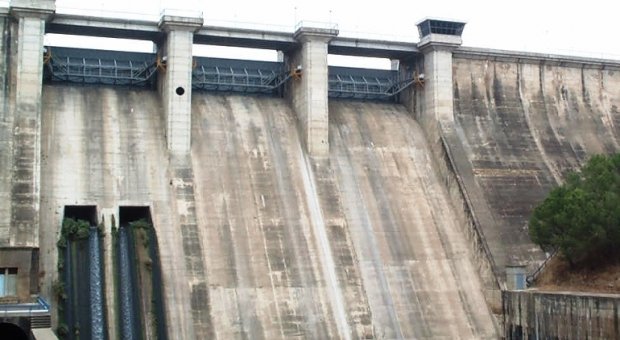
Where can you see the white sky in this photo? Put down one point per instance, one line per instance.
(547, 26)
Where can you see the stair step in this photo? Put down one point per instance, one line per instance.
(41, 321)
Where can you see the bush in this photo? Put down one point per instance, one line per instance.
(73, 229)
(581, 218)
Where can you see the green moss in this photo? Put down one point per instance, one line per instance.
(73, 229)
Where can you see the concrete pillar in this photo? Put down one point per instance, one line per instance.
(27, 76)
(110, 221)
(176, 79)
(309, 93)
(437, 43)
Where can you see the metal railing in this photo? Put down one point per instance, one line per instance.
(365, 87)
(229, 79)
(99, 71)
(40, 307)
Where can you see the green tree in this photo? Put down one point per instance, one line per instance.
(581, 218)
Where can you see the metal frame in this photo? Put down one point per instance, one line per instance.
(366, 87)
(93, 70)
(213, 74)
(237, 79)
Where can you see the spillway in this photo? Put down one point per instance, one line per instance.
(402, 266)
(259, 224)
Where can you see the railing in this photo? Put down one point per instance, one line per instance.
(40, 307)
(531, 279)
(231, 79)
(92, 70)
(365, 87)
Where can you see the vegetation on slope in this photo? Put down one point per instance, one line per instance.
(581, 218)
(581, 221)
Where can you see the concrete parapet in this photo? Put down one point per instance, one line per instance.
(560, 315)
(309, 93)
(176, 81)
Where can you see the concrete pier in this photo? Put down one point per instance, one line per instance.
(27, 73)
(175, 57)
(308, 94)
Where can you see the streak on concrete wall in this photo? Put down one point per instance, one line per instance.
(561, 315)
(6, 133)
(265, 279)
(27, 62)
(415, 264)
(449, 159)
(403, 269)
(521, 127)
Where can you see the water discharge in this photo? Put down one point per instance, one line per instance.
(127, 312)
(96, 300)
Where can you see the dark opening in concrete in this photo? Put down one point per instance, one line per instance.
(133, 213)
(82, 212)
(12, 331)
(180, 90)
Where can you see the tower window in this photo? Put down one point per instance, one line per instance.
(8, 282)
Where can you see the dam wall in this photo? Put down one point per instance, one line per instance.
(297, 245)
(104, 147)
(522, 122)
(292, 214)
(271, 243)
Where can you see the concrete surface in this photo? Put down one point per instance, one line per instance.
(560, 315)
(105, 147)
(438, 100)
(309, 93)
(401, 268)
(65, 23)
(6, 138)
(519, 127)
(176, 79)
(27, 64)
(44, 334)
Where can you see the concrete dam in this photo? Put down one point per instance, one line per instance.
(230, 199)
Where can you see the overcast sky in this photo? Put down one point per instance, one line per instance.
(547, 26)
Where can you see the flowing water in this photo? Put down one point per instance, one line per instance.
(96, 293)
(125, 284)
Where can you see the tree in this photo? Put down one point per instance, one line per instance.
(581, 218)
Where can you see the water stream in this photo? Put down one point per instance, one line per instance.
(125, 284)
(96, 291)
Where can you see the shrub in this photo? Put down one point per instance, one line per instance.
(581, 218)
